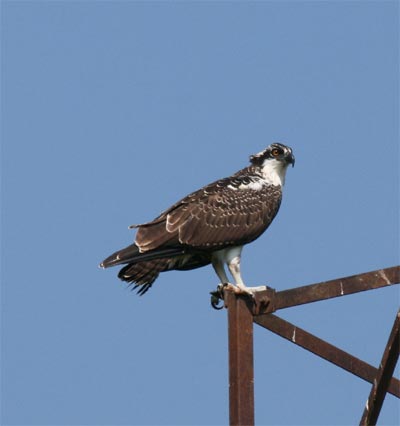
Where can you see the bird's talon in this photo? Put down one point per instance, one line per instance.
(220, 287)
(216, 299)
(217, 296)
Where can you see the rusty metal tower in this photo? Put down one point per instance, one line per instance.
(244, 312)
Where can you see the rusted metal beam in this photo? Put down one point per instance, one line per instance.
(242, 311)
(241, 369)
(338, 287)
(328, 289)
(324, 350)
(382, 380)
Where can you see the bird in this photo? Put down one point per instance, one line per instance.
(208, 226)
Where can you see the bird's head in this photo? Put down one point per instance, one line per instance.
(273, 161)
(274, 152)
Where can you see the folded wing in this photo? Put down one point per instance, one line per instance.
(216, 216)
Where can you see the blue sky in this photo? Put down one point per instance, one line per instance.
(111, 111)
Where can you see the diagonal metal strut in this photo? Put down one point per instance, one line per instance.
(383, 378)
(323, 349)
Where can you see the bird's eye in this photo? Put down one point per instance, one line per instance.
(275, 152)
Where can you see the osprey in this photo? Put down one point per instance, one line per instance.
(210, 225)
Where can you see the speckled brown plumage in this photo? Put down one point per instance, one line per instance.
(216, 216)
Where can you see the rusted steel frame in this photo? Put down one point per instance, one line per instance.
(385, 372)
(241, 369)
(328, 289)
(323, 349)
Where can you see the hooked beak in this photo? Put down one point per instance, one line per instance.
(290, 158)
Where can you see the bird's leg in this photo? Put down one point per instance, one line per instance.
(234, 268)
(220, 270)
(218, 295)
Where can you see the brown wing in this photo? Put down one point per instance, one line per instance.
(231, 217)
(217, 216)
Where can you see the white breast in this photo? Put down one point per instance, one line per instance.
(274, 172)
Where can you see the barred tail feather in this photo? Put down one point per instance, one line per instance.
(143, 274)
